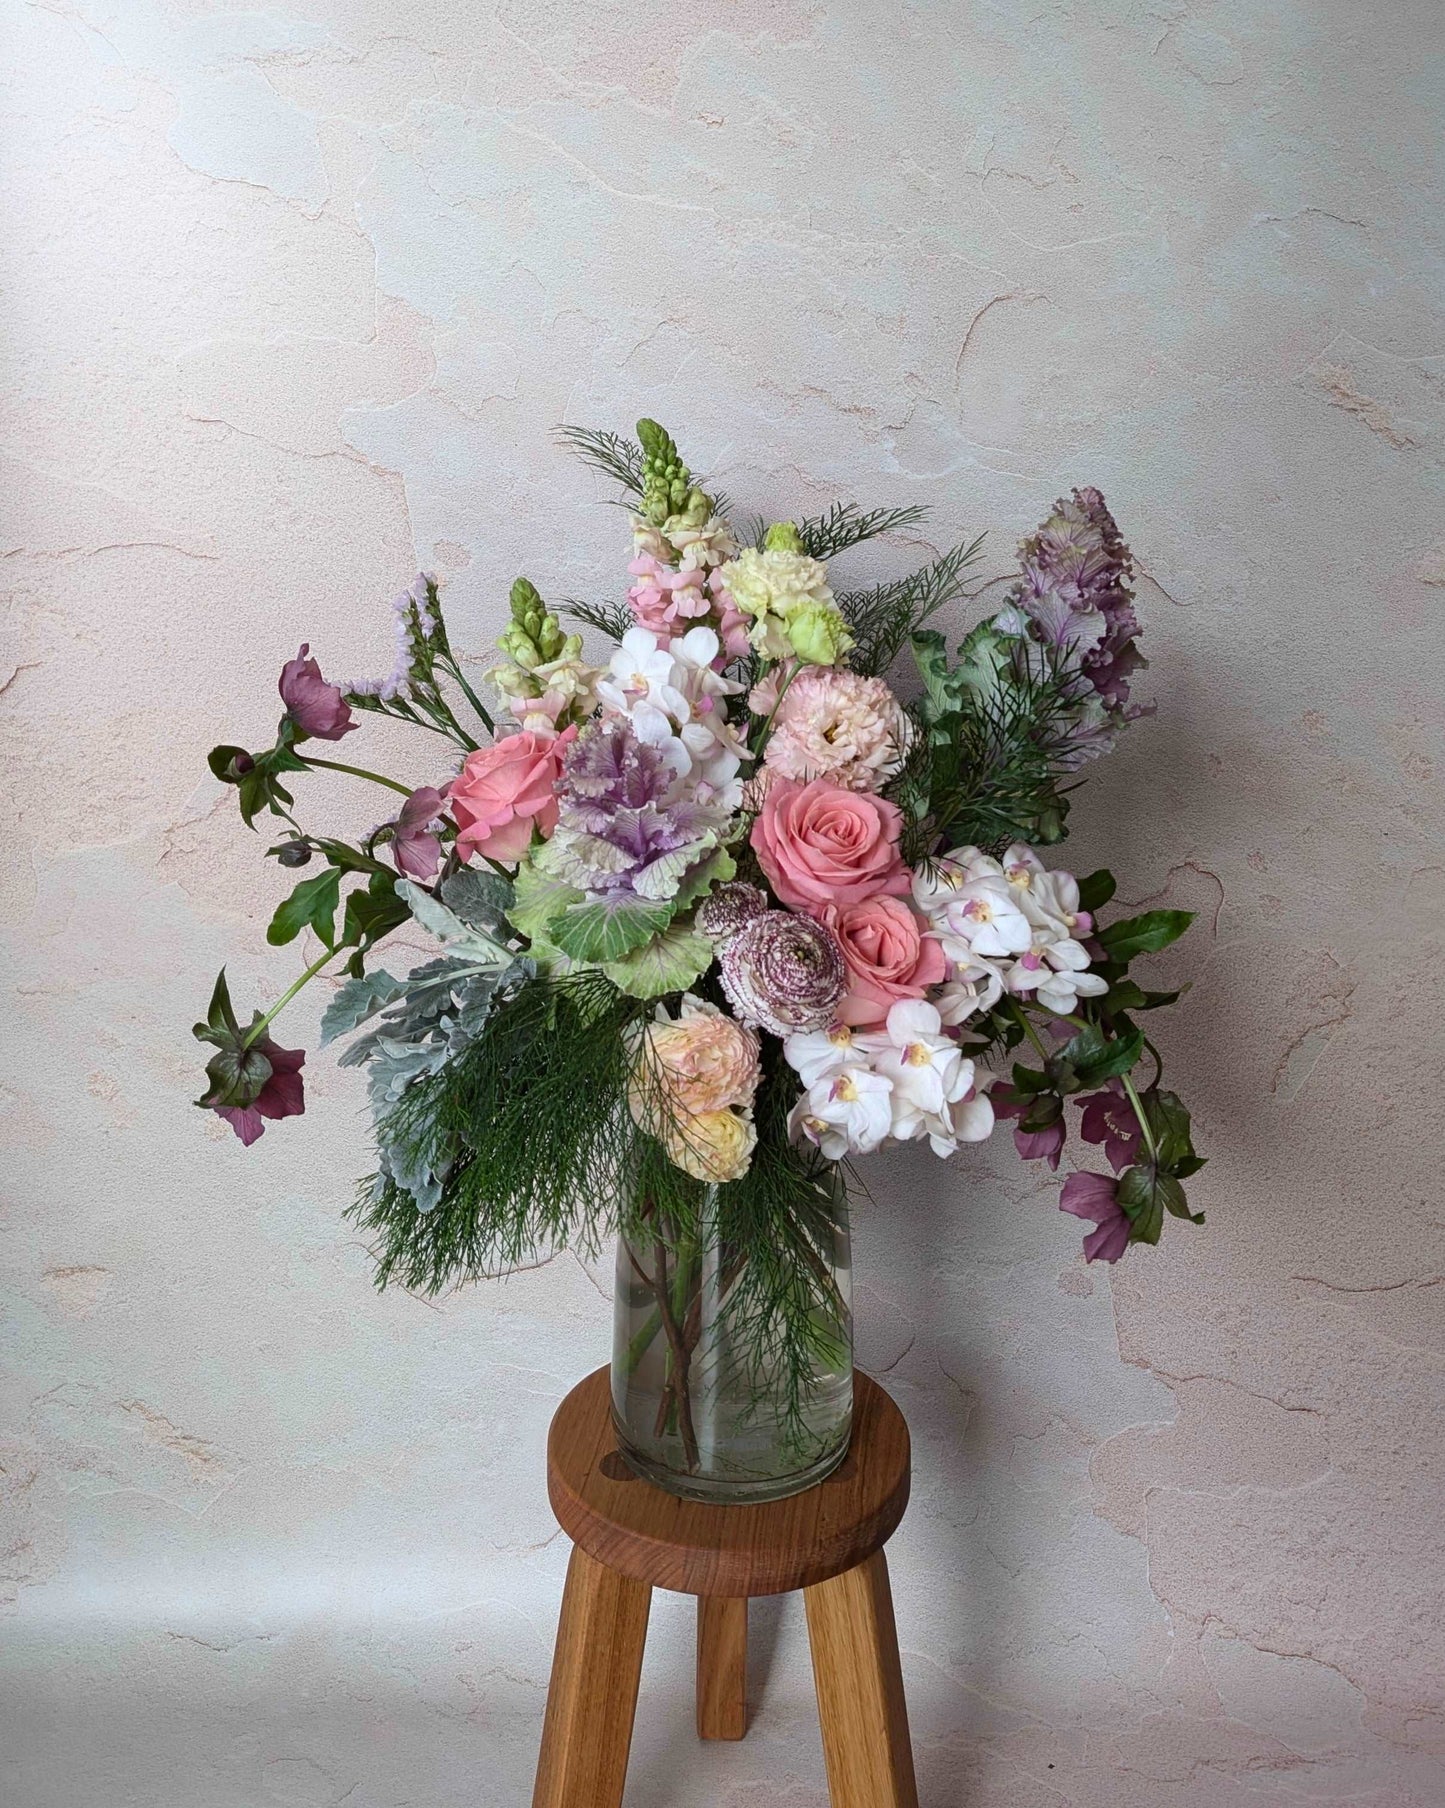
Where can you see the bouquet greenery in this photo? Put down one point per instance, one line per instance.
(724, 910)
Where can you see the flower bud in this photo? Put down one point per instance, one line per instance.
(782, 536)
(294, 853)
(818, 634)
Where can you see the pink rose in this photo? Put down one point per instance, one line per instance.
(820, 845)
(504, 789)
(888, 954)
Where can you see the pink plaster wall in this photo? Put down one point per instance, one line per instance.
(293, 299)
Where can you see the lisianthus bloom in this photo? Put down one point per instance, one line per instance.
(937, 1091)
(819, 844)
(283, 1094)
(1096, 1197)
(415, 843)
(701, 1061)
(505, 791)
(847, 1112)
(770, 587)
(714, 1146)
(836, 726)
(1108, 1118)
(317, 708)
(887, 953)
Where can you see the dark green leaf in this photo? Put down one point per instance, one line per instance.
(220, 1024)
(371, 914)
(313, 904)
(237, 1075)
(1096, 889)
(1142, 1204)
(222, 762)
(1145, 934)
(1028, 1080)
(1187, 1165)
(1116, 1057)
(1169, 1120)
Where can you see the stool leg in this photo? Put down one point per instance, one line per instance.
(861, 1709)
(722, 1667)
(593, 1693)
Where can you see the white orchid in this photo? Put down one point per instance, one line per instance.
(819, 1054)
(976, 917)
(1055, 971)
(845, 1113)
(1050, 900)
(969, 990)
(643, 684)
(929, 1075)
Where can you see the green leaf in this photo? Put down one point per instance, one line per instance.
(220, 1016)
(1028, 1080)
(236, 1074)
(607, 932)
(1116, 1056)
(1145, 934)
(941, 686)
(313, 903)
(371, 914)
(352, 1003)
(1187, 1165)
(479, 898)
(670, 962)
(1142, 1204)
(1096, 889)
(1169, 1120)
(221, 761)
(540, 897)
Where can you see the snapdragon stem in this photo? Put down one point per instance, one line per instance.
(355, 772)
(259, 1029)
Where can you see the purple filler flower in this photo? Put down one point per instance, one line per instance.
(283, 1095)
(1096, 1197)
(415, 846)
(1108, 1118)
(316, 707)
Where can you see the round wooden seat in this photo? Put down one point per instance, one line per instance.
(699, 1549)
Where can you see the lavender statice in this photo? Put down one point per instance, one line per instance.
(414, 625)
(1073, 599)
(626, 828)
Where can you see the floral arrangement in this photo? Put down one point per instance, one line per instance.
(723, 908)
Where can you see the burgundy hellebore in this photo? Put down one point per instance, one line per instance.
(282, 1096)
(1096, 1197)
(316, 707)
(1034, 1145)
(414, 845)
(1108, 1118)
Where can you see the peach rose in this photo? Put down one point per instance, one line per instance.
(502, 790)
(888, 954)
(821, 845)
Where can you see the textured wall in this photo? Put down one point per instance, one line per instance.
(294, 297)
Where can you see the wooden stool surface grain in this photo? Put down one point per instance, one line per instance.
(697, 1548)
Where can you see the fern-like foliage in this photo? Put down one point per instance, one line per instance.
(987, 772)
(845, 525)
(613, 454)
(883, 618)
(611, 619)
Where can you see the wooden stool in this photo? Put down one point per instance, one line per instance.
(630, 1537)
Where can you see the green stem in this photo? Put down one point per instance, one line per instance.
(259, 1028)
(767, 727)
(1142, 1116)
(449, 664)
(1032, 1033)
(355, 772)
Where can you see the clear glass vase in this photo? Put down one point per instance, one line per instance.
(732, 1381)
